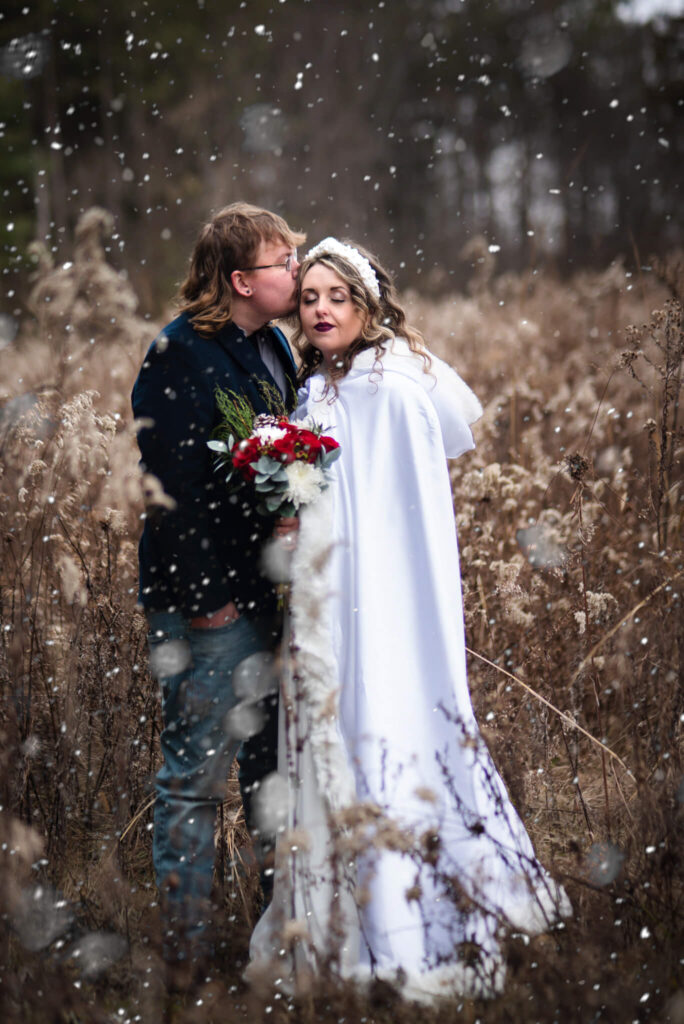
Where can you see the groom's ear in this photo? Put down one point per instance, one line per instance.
(239, 283)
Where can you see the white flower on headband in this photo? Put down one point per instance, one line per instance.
(351, 255)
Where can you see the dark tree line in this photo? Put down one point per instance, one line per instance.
(553, 130)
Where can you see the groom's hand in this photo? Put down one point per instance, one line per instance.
(214, 620)
(285, 530)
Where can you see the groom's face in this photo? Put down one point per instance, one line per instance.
(274, 283)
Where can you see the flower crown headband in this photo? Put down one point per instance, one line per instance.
(351, 255)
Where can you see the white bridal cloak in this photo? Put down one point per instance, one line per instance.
(399, 842)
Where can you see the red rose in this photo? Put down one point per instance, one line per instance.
(243, 454)
(308, 445)
(285, 448)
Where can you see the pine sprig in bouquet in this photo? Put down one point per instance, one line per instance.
(285, 463)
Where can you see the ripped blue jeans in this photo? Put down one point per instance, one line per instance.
(195, 669)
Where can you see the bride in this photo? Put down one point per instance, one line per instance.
(400, 855)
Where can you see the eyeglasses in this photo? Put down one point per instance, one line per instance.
(288, 264)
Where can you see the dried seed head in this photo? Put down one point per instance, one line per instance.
(577, 466)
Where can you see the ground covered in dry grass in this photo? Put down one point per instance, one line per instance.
(570, 517)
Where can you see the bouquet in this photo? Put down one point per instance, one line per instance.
(286, 463)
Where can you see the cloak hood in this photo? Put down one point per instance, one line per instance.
(451, 397)
(455, 404)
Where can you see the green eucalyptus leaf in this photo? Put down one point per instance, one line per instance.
(266, 465)
(328, 458)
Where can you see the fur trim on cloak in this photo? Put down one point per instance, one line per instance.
(316, 665)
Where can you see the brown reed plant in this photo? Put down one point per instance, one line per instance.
(570, 520)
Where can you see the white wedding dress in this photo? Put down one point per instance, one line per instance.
(399, 845)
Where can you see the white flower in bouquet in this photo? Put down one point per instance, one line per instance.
(304, 483)
(268, 433)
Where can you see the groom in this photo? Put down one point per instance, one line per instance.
(207, 604)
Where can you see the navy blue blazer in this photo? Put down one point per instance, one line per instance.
(206, 551)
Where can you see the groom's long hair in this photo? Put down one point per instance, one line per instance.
(230, 241)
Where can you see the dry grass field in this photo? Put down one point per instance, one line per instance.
(570, 516)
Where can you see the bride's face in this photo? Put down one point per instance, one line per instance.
(330, 320)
